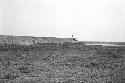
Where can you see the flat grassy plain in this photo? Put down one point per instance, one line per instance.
(64, 63)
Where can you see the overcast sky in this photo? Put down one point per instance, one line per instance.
(87, 20)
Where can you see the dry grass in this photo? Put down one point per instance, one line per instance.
(86, 64)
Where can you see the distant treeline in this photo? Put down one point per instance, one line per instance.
(40, 46)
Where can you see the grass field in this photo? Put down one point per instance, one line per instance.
(70, 63)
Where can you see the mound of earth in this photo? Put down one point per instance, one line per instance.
(27, 40)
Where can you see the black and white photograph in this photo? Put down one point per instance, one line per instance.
(62, 41)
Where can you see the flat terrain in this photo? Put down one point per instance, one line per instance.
(46, 60)
(67, 64)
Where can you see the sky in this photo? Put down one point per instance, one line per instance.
(86, 20)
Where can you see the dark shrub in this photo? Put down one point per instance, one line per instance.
(24, 69)
(10, 76)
